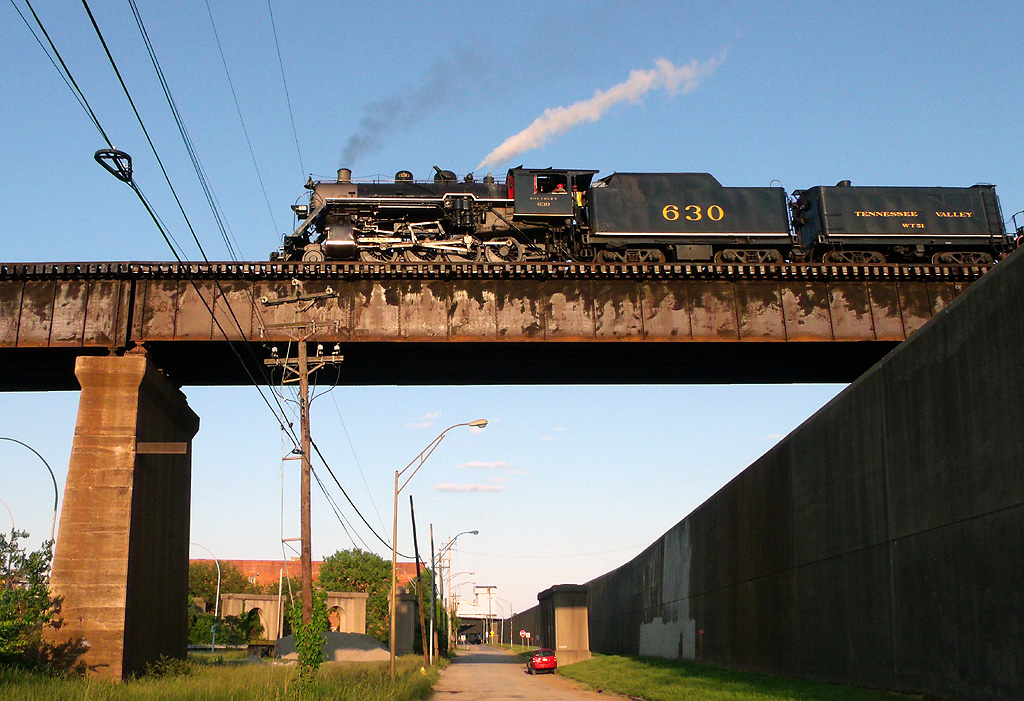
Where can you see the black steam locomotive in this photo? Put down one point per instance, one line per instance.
(565, 215)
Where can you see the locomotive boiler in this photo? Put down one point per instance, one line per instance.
(643, 218)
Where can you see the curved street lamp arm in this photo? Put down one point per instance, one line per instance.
(425, 453)
(53, 526)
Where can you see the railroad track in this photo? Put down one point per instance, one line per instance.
(281, 270)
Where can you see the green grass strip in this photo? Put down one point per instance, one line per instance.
(655, 679)
(351, 681)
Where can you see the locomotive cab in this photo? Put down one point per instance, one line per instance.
(545, 192)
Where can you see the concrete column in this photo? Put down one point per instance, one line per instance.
(405, 623)
(121, 557)
(564, 622)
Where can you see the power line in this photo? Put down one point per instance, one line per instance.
(347, 497)
(196, 164)
(163, 232)
(238, 108)
(69, 79)
(284, 80)
(355, 457)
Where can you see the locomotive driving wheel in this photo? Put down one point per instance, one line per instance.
(508, 251)
(377, 255)
(853, 257)
(422, 255)
(962, 258)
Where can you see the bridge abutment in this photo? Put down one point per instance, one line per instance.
(121, 556)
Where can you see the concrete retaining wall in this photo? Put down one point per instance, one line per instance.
(880, 544)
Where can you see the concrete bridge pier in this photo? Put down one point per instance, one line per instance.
(121, 556)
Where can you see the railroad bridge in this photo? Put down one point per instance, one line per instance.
(130, 334)
(208, 324)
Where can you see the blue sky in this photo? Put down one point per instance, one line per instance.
(567, 482)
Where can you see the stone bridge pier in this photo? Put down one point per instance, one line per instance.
(121, 557)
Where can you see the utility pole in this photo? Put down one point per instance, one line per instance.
(298, 368)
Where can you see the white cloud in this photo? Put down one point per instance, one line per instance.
(557, 120)
(484, 465)
(426, 421)
(469, 487)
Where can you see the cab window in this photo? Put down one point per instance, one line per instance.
(553, 184)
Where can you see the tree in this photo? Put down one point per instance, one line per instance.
(26, 606)
(202, 581)
(358, 570)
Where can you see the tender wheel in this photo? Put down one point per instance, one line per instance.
(510, 251)
(631, 255)
(422, 255)
(853, 257)
(962, 258)
(748, 256)
(313, 253)
(376, 255)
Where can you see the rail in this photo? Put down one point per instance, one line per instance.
(282, 270)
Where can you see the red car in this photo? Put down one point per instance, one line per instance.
(541, 660)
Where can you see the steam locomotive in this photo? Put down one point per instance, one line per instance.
(566, 215)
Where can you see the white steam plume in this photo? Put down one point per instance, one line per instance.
(557, 120)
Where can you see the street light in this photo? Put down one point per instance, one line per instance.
(511, 614)
(434, 594)
(418, 462)
(446, 549)
(216, 603)
(53, 523)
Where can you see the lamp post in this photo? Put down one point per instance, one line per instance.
(434, 561)
(511, 614)
(7, 564)
(53, 523)
(418, 462)
(216, 603)
(453, 605)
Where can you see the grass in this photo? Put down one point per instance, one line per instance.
(206, 657)
(251, 682)
(654, 679)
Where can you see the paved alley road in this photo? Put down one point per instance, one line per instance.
(489, 674)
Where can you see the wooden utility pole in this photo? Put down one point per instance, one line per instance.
(305, 530)
(299, 369)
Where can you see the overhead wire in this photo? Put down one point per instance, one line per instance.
(69, 79)
(347, 497)
(286, 426)
(63, 72)
(355, 457)
(241, 119)
(135, 188)
(284, 80)
(346, 526)
(196, 164)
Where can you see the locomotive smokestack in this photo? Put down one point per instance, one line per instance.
(344, 175)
